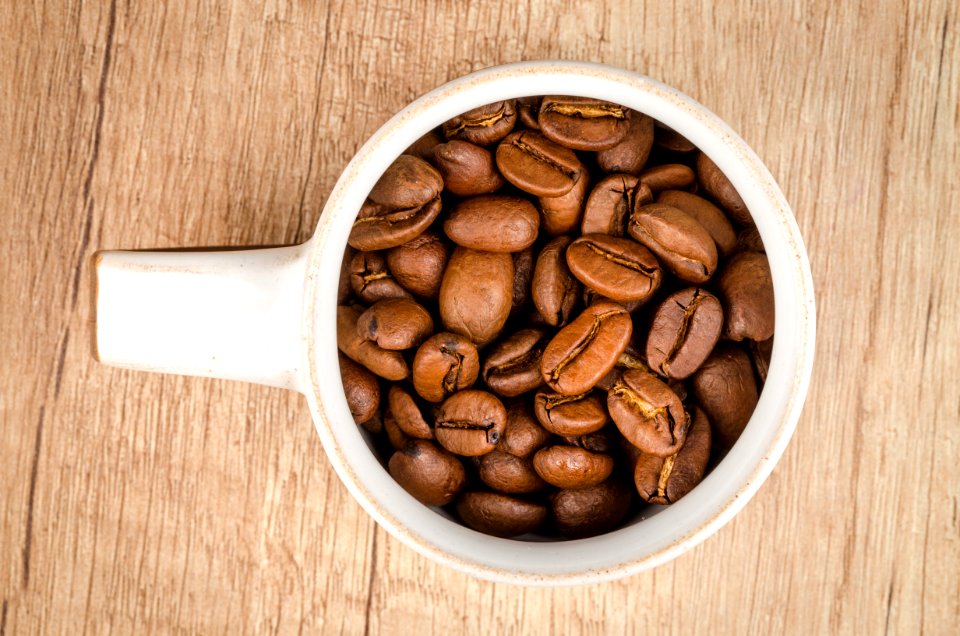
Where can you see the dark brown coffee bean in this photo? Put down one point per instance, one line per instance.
(409, 182)
(361, 388)
(713, 220)
(684, 331)
(513, 365)
(648, 413)
(611, 202)
(569, 414)
(554, 290)
(572, 467)
(418, 264)
(485, 125)
(346, 272)
(619, 268)
(590, 511)
(528, 111)
(746, 287)
(602, 441)
(537, 165)
(374, 425)
(397, 438)
(432, 475)
(386, 364)
(476, 294)
(467, 169)
(583, 123)
(586, 349)
(370, 279)
(470, 423)
(522, 436)
(671, 176)
(664, 480)
(523, 263)
(563, 213)
(493, 223)
(591, 296)
(500, 515)
(444, 364)
(716, 184)
(407, 414)
(395, 324)
(509, 474)
(630, 155)
(423, 147)
(680, 243)
(760, 353)
(726, 389)
(671, 140)
(748, 240)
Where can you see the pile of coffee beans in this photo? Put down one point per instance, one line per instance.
(553, 311)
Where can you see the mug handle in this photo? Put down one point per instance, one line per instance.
(234, 315)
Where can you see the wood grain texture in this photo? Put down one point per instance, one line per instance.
(131, 502)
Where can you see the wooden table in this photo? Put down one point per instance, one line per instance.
(131, 501)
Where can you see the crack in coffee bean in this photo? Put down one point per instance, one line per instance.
(587, 111)
(450, 384)
(681, 337)
(665, 471)
(466, 425)
(659, 415)
(583, 343)
(636, 266)
(539, 156)
(484, 122)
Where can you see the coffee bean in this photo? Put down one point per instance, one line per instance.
(523, 263)
(664, 480)
(746, 287)
(563, 213)
(423, 147)
(713, 220)
(611, 202)
(500, 515)
(513, 365)
(537, 165)
(601, 441)
(445, 363)
(418, 265)
(522, 436)
(671, 176)
(528, 112)
(386, 364)
(485, 125)
(618, 268)
(470, 423)
(515, 219)
(716, 184)
(370, 279)
(467, 169)
(476, 294)
(361, 388)
(590, 511)
(648, 413)
(395, 435)
(572, 467)
(555, 290)
(631, 153)
(346, 272)
(409, 182)
(432, 475)
(680, 243)
(395, 324)
(684, 331)
(570, 414)
(407, 414)
(583, 123)
(748, 240)
(586, 349)
(509, 474)
(760, 353)
(727, 391)
(671, 140)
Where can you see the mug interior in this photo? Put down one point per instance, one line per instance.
(658, 534)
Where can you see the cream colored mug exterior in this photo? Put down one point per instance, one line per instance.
(268, 316)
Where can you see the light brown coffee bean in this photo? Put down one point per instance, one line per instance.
(386, 364)
(618, 268)
(445, 363)
(611, 202)
(466, 168)
(432, 475)
(590, 511)
(563, 213)
(484, 125)
(395, 324)
(630, 155)
(418, 265)
(397, 438)
(572, 467)
(512, 366)
(716, 184)
(493, 223)
(523, 436)
(684, 331)
(727, 391)
(671, 176)
(470, 423)
(361, 388)
(713, 220)
(680, 243)
(500, 515)
(555, 290)
(370, 279)
(746, 287)
(648, 413)
(664, 480)
(476, 294)
(570, 415)
(583, 123)
(407, 414)
(509, 474)
(537, 165)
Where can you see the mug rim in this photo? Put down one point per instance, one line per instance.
(577, 561)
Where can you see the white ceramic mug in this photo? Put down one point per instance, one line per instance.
(268, 316)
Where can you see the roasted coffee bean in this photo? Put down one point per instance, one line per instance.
(370, 279)
(470, 423)
(681, 244)
(423, 147)
(671, 140)
(407, 414)
(362, 389)
(418, 265)
(611, 202)
(537, 165)
(445, 363)
(386, 364)
(601, 441)
(476, 294)
(619, 268)
(590, 511)
(664, 480)
(500, 515)
(748, 240)
(374, 425)
(630, 155)
(555, 290)
(746, 287)
(648, 413)
(671, 176)
(523, 436)
(570, 414)
(432, 475)
(395, 435)
(509, 474)
(395, 324)
(528, 112)
(523, 264)
(513, 365)
(586, 349)
(346, 273)
(466, 168)
(572, 467)
(760, 353)
(727, 391)
(713, 220)
(583, 123)
(409, 182)
(684, 331)
(485, 125)
(563, 213)
(493, 223)
(716, 184)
